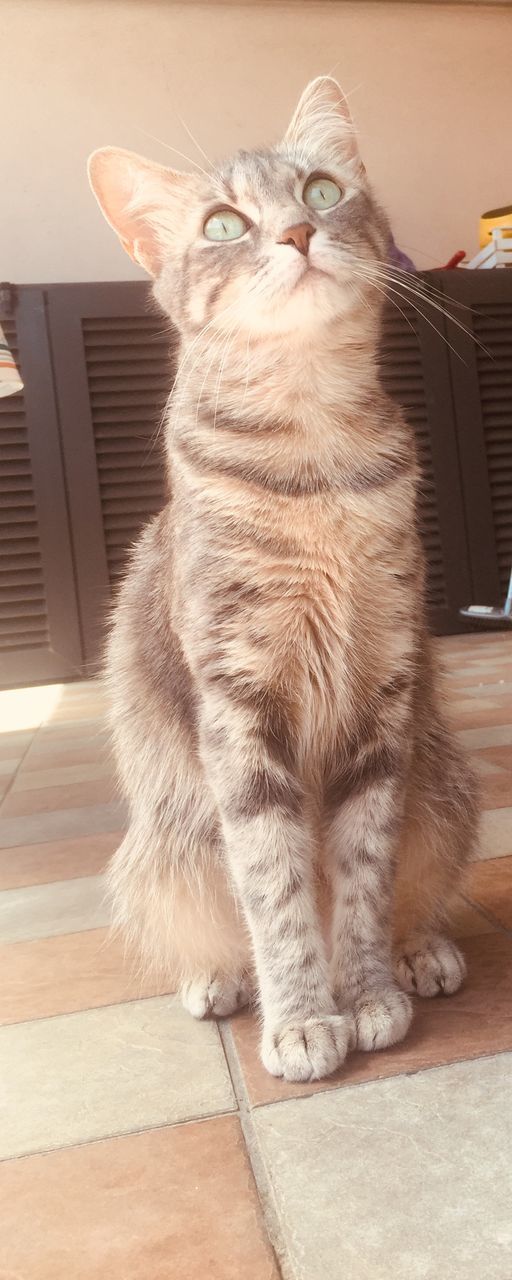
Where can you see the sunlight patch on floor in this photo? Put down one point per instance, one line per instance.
(27, 708)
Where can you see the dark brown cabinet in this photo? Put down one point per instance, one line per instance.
(39, 622)
(82, 466)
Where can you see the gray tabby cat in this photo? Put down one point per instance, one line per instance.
(275, 705)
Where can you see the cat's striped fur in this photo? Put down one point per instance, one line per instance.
(275, 704)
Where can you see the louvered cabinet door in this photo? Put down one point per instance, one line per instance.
(415, 371)
(39, 631)
(113, 367)
(481, 370)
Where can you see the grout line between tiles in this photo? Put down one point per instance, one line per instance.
(342, 1087)
(502, 928)
(89, 1008)
(18, 766)
(44, 884)
(123, 1133)
(263, 1184)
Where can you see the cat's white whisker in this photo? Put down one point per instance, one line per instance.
(175, 150)
(193, 139)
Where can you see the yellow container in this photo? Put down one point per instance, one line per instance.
(494, 218)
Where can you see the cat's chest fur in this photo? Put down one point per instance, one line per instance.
(305, 596)
(297, 552)
(338, 619)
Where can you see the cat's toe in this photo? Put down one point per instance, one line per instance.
(309, 1048)
(435, 968)
(215, 997)
(382, 1018)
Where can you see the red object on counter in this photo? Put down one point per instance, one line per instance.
(454, 262)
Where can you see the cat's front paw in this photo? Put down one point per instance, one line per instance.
(308, 1048)
(382, 1018)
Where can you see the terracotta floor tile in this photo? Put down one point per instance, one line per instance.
(58, 860)
(472, 713)
(474, 1022)
(172, 1204)
(63, 974)
(489, 884)
(73, 795)
(495, 782)
(467, 921)
(500, 756)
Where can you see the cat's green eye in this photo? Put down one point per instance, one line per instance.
(225, 224)
(321, 193)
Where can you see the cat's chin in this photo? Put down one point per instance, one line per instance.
(315, 304)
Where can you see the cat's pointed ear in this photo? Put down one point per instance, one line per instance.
(321, 123)
(141, 200)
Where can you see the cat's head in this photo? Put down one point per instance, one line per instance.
(275, 241)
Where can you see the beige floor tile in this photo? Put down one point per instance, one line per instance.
(489, 687)
(77, 754)
(62, 974)
(496, 833)
(172, 1204)
(26, 708)
(66, 737)
(475, 1021)
(22, 803)
(5, 783)
(498, 735)
(45, 910)
(14, 745)
(405, 1180)
(80, 688)
(57, 860)
(78, 711)
(62, 824)
(62, 776)
(489, 884)
(8, 766)
(108, 1071)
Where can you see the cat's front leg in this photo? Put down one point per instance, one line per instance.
(269, 852)
(364, 822)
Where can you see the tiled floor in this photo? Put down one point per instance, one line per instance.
(137, 1144)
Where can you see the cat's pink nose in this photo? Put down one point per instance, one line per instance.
(300, 236)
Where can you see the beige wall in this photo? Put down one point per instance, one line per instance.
(430, 87)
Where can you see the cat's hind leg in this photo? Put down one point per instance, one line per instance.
(181, 918)
(436, 842)
(430, 966)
